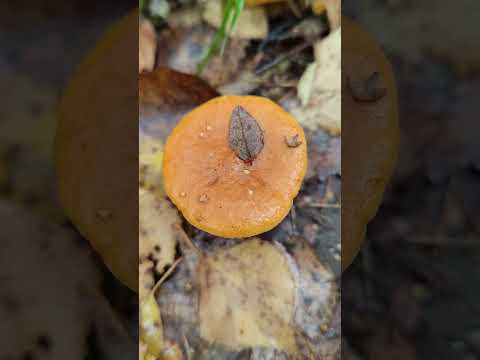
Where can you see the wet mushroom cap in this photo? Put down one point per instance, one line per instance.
(370, 110)
(215, 189)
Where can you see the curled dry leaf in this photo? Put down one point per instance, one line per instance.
(156, 233)
(147, 45)
(253, 299)
(323, 108)
(165, 96)
(245, 136)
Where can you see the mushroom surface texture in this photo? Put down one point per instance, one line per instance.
(96, 156)
(234, 165)
(370, 115)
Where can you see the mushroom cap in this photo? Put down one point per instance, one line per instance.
(218, 192)
(372, 134)
(94, 148)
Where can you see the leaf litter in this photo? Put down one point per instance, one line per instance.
(206, 292)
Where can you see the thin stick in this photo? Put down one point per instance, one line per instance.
(165, 275)
(324, 206)
(188, 241)
(283, 57)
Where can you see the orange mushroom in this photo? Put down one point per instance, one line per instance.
(370, 112)
(234, 165)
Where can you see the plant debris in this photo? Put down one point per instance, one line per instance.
(156, 237)
(321, 99)
(252, 295)
(293, 141)
(147, 45)
(245, 136)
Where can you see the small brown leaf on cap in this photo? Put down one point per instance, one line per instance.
(367, 90)
(245, 136)
(293, 141)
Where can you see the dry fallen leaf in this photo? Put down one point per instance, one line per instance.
(147, 44)
(324, 105)
(156, 233)
(182, 50)
(251, 297)
(146, 278)
(245, 136)
(151, 328)
(247, 298)
(252, 22)
(150, 159)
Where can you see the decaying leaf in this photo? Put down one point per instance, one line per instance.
(251, 24)
(165, 96)
(152, 343)
(156, 233)
(146, 279)
(247, 300)
(324, 106)
(150, 164)
(147, 46)
(151, 328)
(245, 135)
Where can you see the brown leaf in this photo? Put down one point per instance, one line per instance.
(165, 96)
(245, 135)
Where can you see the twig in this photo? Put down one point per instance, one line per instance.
(186, 239)
(165, 275)
(324, 206)
(282, 58)
(188, 349)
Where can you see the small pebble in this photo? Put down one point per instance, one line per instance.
(246, 171)
(209, 128)
(250, 192)
(182, 194)
(203, 198)
(202, 134)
